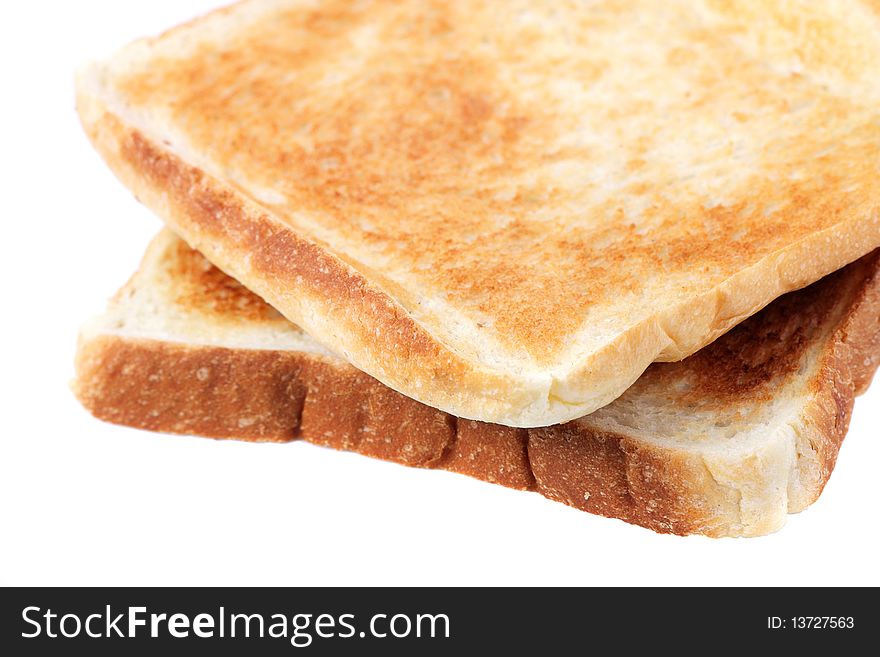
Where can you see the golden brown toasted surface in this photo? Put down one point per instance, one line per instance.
(198, 286)
(541, 167)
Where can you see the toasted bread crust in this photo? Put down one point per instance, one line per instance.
(807, 209)
(264, 395)
(271, 396)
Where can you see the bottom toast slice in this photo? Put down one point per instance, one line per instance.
(724, 443)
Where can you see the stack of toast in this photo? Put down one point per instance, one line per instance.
(620, 254)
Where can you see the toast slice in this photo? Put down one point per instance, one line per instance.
(724, 443)
(507, 210)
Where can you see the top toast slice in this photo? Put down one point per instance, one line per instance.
(507, 210)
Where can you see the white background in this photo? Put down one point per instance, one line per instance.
(82, 502)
